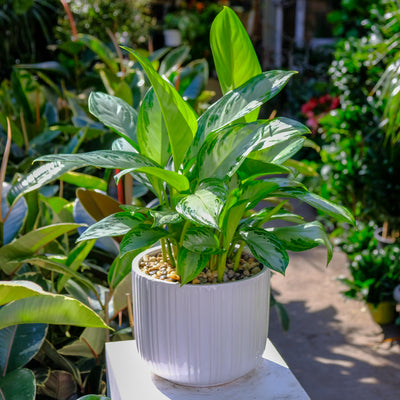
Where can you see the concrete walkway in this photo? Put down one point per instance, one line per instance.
(333, 347)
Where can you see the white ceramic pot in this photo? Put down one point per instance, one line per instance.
(200, 335)
(172, 37)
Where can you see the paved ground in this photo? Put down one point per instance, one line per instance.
(333, 347)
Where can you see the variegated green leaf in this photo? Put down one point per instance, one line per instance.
(201, 240)
(303, 237)
(116, 114)
(190, 264)
(266, 248)
(180, 120)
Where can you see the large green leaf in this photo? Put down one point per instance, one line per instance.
(325, 206)
(141, 237)
(17, 385)
(116, 114)
(238, 103)
(204, 206)
(152, 135)
(27, 245)
(162, 217)
(266, 248)
(19, 344)
(303, 237)
(120, 268)
(252, 192)
(15, 290)
(201, 240)
(180, 119)
(49, 308)
(113, 225)
(190, 264)
(235, 58)
(254, 168)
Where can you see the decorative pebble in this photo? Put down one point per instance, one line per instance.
(157, 268)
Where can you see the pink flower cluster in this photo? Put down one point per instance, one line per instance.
(316, 108)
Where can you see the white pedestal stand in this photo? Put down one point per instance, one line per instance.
(129, 379)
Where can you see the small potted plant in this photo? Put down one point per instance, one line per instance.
(201, 298)
(375, 273)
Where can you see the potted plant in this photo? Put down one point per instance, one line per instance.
(375, 274)
(200, 298)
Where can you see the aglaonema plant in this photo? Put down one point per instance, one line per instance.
(209, 172)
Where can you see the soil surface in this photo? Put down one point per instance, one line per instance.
(334, 348)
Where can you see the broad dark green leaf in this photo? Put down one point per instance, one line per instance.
(204, 206)
(180, 119)
(201, 240)
(116, 114)
(29, 244)
(19, 344)
(325, 206)
(173, 60)
(113, 225)
(303, 237)
(238, 103)
(235, 58)
(152, 135)
(266, 248)
(48, 308)
(90, 344)
(141, 237)
(190, 264)
(162, 218)
(24, 389)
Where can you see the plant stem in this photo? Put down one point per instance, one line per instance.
(238, 256)
(163, 250)
(171, 254)
(221, 266)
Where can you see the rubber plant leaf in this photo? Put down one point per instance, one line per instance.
(25, 389)
(48, 308)
(19, 344)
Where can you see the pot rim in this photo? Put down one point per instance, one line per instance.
(137, 270)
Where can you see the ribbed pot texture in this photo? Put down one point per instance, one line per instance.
(200, 335)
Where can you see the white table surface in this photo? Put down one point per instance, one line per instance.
(130, 379)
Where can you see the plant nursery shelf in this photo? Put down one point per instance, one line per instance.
(128, 378)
